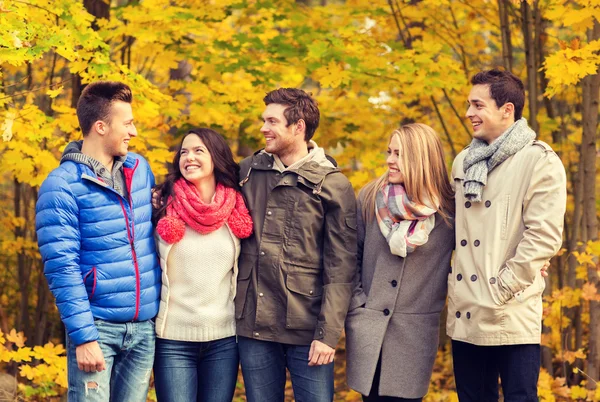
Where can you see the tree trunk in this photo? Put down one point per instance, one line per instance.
(507, 57)
(590, 99)
(528, 39)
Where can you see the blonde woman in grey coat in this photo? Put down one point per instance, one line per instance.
(405, 241)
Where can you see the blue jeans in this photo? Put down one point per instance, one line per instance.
(195, 371)
(476, 371)
(263, 368)
(128, 350)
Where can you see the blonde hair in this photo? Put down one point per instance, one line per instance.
(422, 165)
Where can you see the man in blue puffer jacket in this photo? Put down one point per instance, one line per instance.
(96, 240)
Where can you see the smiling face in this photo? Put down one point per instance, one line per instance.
(280, 140)
(393, 161)
(120, 129)
(488, 120)
(195, 163)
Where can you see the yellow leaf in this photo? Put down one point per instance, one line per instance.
(589, 292)
(21, 355)
(578, 392)
(27, 371)
(53, 93)
(7, 126)
(16, 41)
(16, 337)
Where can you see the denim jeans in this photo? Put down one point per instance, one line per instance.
(195, 371)
(128, 350)
(476, 371)
(263, 368)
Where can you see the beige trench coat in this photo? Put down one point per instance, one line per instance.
(495, 287)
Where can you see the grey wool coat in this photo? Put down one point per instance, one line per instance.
(395, 311)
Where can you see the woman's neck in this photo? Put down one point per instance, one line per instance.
(206, 189)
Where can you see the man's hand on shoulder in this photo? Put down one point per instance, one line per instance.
(320, 354)
(90, 357)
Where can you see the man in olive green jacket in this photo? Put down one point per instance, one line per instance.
(510, 206)
(296, 270)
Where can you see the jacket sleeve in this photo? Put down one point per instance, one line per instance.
(544, 207)
(57, 226)
(359, 298)
(339, 263)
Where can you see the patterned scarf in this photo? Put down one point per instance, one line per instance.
(404, 224)
(482, 157)
(187, 208)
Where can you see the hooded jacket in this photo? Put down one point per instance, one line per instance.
(97, 245)
(296, 271)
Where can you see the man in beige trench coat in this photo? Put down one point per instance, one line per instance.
(510, 204)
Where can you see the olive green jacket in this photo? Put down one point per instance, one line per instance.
(296, 271)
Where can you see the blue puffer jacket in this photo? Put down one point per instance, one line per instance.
(98, 247)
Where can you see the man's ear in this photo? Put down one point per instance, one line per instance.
(301, 127)
(509, 110)
(100, 127)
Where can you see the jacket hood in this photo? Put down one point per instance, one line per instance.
(73, 153)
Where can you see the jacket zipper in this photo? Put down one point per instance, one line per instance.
(130, 233)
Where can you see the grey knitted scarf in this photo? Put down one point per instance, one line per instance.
(483, 158)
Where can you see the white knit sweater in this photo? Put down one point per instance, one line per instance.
(199, 276)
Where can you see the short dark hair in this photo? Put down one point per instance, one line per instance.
(504, 87)
(299, 105)
(96, 100)
(226, 170)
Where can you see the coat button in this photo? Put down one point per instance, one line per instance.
(261, 294)
(476, 243)
(386, 312)
(310, 292)
(492, 280)
(473, 278)
(468, 204)
(468, 316)
(269, 213)
(458, 314)
(463, 243)
(394, 283)
(262, 253)
(488, 204)
(459, 277)
(256, 334)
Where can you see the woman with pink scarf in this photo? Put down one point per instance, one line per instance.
(405, 242)
(199, 226)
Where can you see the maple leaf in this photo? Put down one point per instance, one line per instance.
(7, 126)
(21, 355)
(27, 371)
(53, 93)
(16, 337)
(589, 292)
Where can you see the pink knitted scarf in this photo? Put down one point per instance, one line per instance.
(186, 208)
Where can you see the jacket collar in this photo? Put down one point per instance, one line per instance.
(313, 169)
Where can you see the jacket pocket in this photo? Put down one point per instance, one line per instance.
(304, 297)
(246, 264)
(89, 280)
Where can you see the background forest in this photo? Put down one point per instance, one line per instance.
(372, 65)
